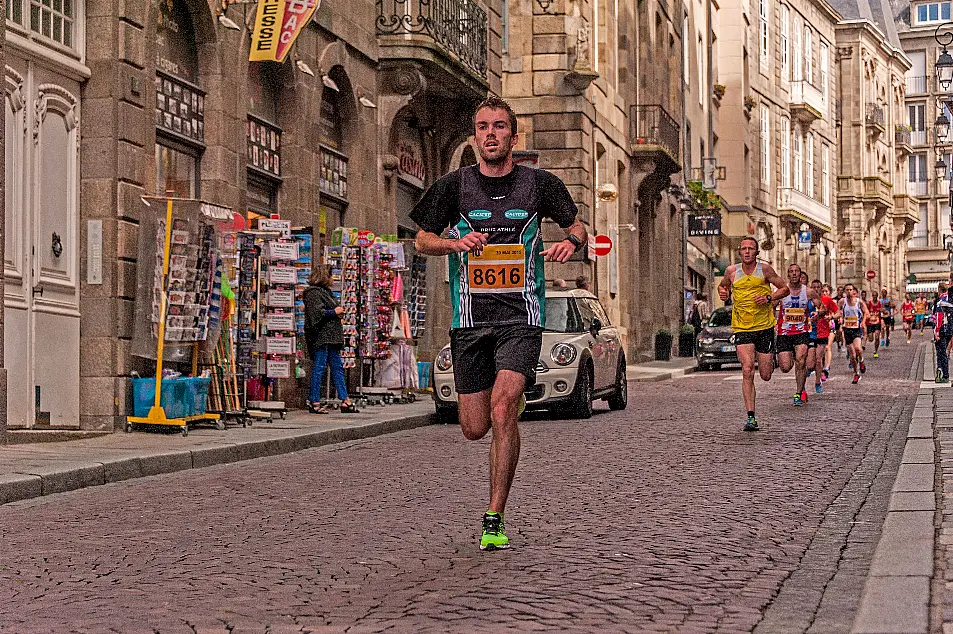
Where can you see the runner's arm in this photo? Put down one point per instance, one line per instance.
(563, 250)
(724, 288)
(431, 244)
(771, 276)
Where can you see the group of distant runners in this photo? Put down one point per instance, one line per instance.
(795, 324)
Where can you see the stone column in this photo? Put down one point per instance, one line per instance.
(3, 370)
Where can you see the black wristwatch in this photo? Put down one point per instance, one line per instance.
(576, 242)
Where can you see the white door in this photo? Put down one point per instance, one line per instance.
(41, 303)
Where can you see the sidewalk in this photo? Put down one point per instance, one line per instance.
(910, 564)
(661, 370)
(33, 470)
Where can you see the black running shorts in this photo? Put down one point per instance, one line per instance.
(787, 343)
(852, 333)
(873, 328)
(479, 353)
(763, 340)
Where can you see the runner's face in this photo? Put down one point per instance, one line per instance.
(816, 287)
(748, 251)
(794, 276)
(494, 137)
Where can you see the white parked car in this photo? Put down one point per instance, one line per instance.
(581, 360)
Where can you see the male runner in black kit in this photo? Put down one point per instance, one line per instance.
(497, 286)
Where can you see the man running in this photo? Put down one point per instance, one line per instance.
(855, 328)
(752, 319)
(888, 320)
(920, 312)
(907, 314)
(874, 318)
(824, 312)
(497, 288)
(794, 330)
(835, 331)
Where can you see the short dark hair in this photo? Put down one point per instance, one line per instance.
(818, 281)
(496, 103)
(795, 264)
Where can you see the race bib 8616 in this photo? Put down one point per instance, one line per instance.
(500, 268)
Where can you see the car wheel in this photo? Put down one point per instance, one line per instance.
(581, 400)
(714, 366)
(447, 415)
(620, 398)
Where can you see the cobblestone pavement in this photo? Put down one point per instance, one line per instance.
(663, 518)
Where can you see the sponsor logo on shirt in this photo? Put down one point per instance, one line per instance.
(480, 214)
(516, 214)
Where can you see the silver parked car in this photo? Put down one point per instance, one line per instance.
(581, 360)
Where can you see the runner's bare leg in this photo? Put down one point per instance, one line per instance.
(505, 446)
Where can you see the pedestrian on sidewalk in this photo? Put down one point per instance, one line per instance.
(582, 283)
(325, 337)
(943, 332)
(699, 314)
(495, 211)
(748, 284)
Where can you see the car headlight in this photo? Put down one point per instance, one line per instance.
(444, 360)
(706, 340)
(563, 354)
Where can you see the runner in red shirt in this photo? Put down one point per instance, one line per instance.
(874, 319)
(907, 310)
(821, 318)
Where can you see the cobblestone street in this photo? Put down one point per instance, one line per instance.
(663, 518)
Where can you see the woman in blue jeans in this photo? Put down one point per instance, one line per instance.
(325, 336)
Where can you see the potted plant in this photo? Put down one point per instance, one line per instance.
(686, 341)
(719, 91)
(663, 345)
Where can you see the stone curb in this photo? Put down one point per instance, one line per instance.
(654, 377)
(896, 597)
(38, 480)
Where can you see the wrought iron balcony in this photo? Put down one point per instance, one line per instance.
(652, 128)
(459, 27)
(875, 118)
(901, 140)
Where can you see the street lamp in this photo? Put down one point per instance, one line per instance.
(942, 127)
(944, 63)
(940, 168)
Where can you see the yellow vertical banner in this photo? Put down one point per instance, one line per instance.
(277, 25)
(264, 40)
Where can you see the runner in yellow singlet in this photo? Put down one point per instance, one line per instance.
(748, 283)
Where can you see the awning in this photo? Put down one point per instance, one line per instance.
(923, 287)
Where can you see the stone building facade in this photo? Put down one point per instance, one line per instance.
(777, 132)
(597, 90)
(927, 249)
(876, 212)
(91, 131)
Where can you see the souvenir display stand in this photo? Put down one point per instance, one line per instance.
(368, 278)
(177, 308)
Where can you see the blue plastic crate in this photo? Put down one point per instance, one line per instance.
(173, 398)
(197, 395)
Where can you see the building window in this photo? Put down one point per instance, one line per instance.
(54, 20)
(808, 51)
(798, 161)
(765, 38)
(262, 134)
(809, 165)
(505, 37)
(917, 170)
(796, 51)
(177, 170)
(824, 61)
(785, 44)
(933, 12)
(765, 146)
(261, 196)
(916, 118)
(826, 174)
(701, 71)
(921, 231)
(785, 152)
(685, 63)
(264, 145)
(333, 176)
(180, 108)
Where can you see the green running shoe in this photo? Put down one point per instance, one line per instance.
(522, 406)
(493, 536)
(751, 424)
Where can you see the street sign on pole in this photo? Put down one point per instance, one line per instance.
(603, 245)
(804, 241)
(871, 274)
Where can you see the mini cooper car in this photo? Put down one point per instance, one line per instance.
(581, 360)
(716, 341)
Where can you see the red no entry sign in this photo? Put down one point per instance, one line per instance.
(603, 245)
(871, 274)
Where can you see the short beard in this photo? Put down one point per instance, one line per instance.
(491, 160)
